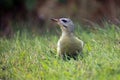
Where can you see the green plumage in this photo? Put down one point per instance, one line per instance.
(69, 45)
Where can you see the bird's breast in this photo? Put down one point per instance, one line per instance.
(69, 45)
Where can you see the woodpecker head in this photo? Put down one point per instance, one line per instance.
(65, 24)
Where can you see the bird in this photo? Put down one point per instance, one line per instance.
(68, 45)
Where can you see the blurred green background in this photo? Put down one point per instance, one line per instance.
(37, 13)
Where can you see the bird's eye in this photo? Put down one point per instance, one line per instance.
(64, 21)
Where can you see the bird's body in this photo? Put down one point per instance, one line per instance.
(68, 44)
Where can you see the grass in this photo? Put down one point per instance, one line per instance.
(28, 56)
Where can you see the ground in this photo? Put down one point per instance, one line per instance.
(27, 56)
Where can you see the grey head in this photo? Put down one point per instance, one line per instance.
(66, 24)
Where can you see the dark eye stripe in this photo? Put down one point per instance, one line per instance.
(64, 21)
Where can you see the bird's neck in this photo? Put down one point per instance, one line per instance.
(64, 33)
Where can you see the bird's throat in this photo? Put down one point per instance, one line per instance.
(65, 34)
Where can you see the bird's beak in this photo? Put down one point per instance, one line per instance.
(55, 20)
